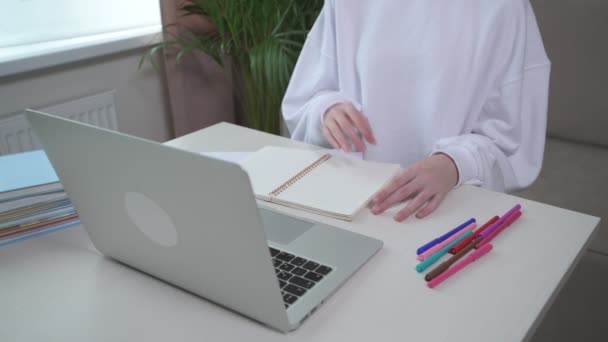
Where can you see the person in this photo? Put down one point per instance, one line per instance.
(454, 91)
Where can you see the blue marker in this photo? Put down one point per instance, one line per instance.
(443, 237)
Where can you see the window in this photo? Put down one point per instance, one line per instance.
(25, 22)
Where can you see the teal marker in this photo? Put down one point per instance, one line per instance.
(437, 255)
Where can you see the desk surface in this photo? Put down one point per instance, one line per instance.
(59, 288)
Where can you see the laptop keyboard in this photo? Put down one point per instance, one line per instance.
(296, 275)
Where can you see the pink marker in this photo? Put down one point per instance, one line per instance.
(457, 267)
(444, 243)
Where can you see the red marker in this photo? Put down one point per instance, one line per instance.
(462, 244)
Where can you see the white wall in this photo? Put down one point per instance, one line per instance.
(141, 101)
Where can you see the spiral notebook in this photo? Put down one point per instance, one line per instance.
(315, 180)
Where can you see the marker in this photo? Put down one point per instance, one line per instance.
(498, 230)
(476, 233)
(439, 246)
(446, 264)
(459, 266)
(496, 224)
(433, 258)
(443, 237)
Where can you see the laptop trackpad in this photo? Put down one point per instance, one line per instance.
(281, 228)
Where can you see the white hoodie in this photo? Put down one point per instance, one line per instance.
(468, 78)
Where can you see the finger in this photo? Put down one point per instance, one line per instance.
(401, 194)
(412, 206)
(431, 206)
(336, 132)
(361, 122)
(347, 127)
(330, 138)
(404, 177)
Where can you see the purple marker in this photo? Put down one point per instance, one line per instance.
(496, 224)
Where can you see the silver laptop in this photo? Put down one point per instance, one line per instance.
(192, 221)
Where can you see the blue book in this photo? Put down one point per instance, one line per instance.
(24, 170)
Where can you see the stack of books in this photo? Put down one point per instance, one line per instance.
(32, 201)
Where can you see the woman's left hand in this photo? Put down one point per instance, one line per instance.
(426, 182)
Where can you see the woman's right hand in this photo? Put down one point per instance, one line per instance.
(344, 125)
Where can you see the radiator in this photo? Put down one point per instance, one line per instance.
(16, 135)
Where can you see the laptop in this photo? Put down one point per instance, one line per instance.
(192, 221)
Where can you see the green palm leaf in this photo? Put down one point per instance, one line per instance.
(264, 39)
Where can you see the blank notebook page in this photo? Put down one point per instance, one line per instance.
(270, 167)
(339, 185)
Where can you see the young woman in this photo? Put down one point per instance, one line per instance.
(454, 91)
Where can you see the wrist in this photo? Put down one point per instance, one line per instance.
(450, 165)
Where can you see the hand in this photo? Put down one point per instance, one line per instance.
(342, 125)
(426, 182)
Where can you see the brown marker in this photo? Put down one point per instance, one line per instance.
(446, 264)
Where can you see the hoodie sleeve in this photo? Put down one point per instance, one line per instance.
(314, 85)
(504, 149)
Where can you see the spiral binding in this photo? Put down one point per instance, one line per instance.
(300, 175)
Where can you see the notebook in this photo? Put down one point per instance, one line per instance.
(27, 169)
(34, 211)
(315, 180)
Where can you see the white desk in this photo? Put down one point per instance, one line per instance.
(59, 288)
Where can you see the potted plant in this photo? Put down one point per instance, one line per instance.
(262, 39)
